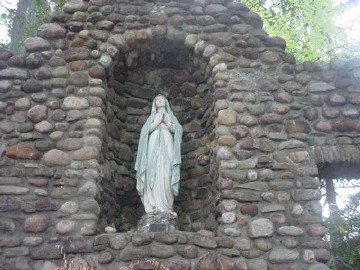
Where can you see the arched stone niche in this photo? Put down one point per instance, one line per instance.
(156, 64)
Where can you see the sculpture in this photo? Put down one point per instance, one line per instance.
(158, 160)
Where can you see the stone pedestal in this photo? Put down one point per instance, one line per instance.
(162, 222)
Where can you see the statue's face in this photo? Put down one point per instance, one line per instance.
(160, 101)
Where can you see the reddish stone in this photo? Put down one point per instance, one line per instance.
(45, 206)
(78, 65)
(106, 257)
(16, 61)
(22, 151)
(343, 125)
(141, 35)
(37, 113)
(158, 20)
(283, 97)
(160, 30)
(322, 255)
(51, 30)
(330, 112)
(6, 127)
(177, 264)
(271, 118)
(32, 86)
(36, 224)
(43, 73)
(239, 132)
(177, 20)
(135, 77)
(354, 99)
(77, 42)
(208, 261)
(182, 76)
(277, 218)
(56, 61)
(194, 205)
(38, 182)
(248, 143)
(251, 53)
(5, 54)
(241, 265)
(225, 263)
(335, 99)
(97, 72)
(188, 89)
(323, 126)
(233, 51)
(249, 209)
(226, 184)
(298, 127)
(74, 115)
(80, 79)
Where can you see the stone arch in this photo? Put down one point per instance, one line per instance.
(137, 74)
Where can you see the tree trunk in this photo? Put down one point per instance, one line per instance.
(331, 197)
(17, 32)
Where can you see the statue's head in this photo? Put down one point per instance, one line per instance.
(160, 101)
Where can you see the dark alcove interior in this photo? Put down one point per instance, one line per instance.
(169, 68)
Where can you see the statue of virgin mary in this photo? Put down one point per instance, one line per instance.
(158, 159)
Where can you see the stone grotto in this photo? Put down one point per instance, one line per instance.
(257, 130)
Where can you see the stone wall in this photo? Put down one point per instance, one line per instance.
(257, 126)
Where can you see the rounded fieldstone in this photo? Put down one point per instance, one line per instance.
(298, 127)
(74, 115)
(37, 113)
(228, 217)
(51, 30)
(65, 226)
(227, 140)
(86, 153)
(22, 151)
(89, 228)
(335, 99)
(80, 79)
(106, 257)
(22, 104)
(261, 228)
(32, 241)
(249, 209)
(56, 135)
(263, 245)
(70, 207)
(207, 261)
(227, 117)
(323, 126)
(43, 127)
(56, 157)
(7, 127)
(70, 144)
(33, 44)
(43, 73)
(75, 103)
(36, 224)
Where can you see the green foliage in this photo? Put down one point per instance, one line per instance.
(38, 12)
(306, 25)
(6, 19)
(344, 236)
(41, 13)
